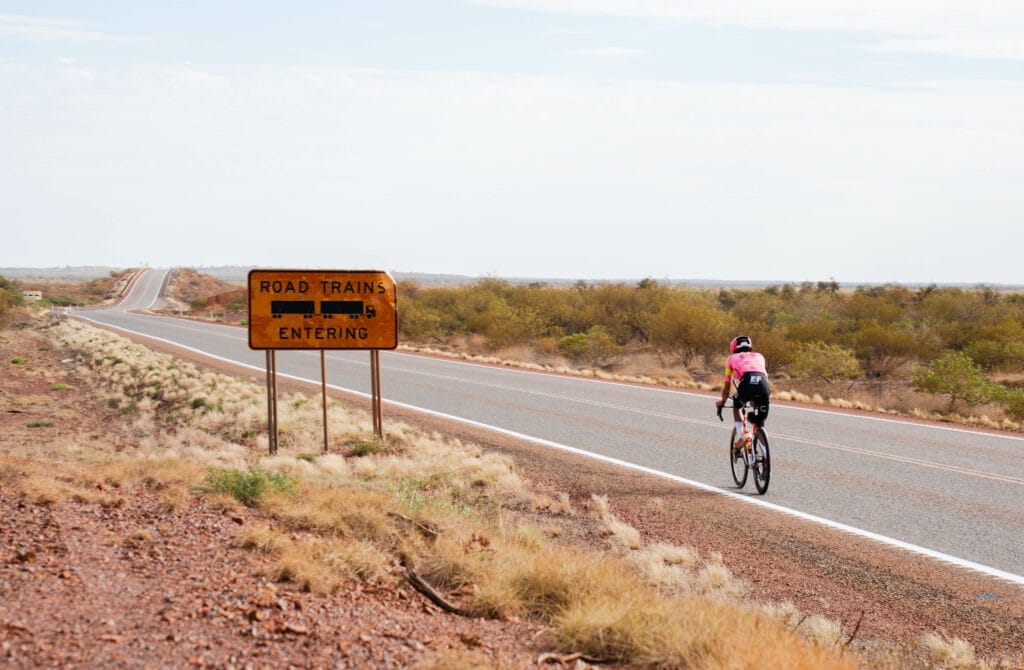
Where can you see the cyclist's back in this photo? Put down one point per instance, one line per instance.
(742, 362)
(746, 368)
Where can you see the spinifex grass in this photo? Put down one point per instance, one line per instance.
(248, 486)
(461, 519)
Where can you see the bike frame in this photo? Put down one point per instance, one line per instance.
(756, 456)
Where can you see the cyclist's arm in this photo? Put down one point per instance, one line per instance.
(726, 386)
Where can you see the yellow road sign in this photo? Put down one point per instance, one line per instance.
(322, 309)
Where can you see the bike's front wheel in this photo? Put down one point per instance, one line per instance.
(737, 462)
(762, 466)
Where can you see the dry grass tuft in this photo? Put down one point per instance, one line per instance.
(620, 532)
(351, 513)
(636, 626)
(317, 565)
(461, 659)
(541, 501)
(946, 652)
(564, 505)
(433, 503)
(263, 539)
(40, 489)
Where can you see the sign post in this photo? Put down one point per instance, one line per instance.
(272, 400)
(320, 310)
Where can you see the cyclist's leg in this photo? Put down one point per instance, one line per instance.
(745, 392)
(760, 395)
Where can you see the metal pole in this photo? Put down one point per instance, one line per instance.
(270, 404)
(378, 419)
(273, 434)
(323, 392)
(380, 394)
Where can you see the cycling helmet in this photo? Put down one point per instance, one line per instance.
(738, 343)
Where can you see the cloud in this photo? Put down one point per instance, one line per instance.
(313, 166)
(608, 52)
(44, 29)
(968, 29)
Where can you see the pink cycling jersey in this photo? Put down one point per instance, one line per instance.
(743, 362)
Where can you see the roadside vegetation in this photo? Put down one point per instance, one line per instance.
(948, 353)
(70, 292)
(952, 354)
(11, 301)
(200, 295)
(422, 511)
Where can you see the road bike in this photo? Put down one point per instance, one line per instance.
(754, 455)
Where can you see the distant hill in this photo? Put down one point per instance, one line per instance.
(69, 272)
(239, 273)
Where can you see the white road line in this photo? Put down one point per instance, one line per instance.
(656, 389)
(922, 551)
(906, 459)
(706, 422)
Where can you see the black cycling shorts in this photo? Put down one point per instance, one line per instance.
(753, 386)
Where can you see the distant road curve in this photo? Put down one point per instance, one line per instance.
(954, 494)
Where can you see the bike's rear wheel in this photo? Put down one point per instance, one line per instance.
(762, 466)
(737, 462)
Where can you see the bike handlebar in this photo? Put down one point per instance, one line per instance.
(733, 398)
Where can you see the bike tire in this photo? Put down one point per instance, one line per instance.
(762, 462)
(737, 463)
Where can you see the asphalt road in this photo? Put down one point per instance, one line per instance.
(959, 493)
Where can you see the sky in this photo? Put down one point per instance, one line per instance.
(797, 140)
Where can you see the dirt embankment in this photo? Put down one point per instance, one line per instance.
(129, 585)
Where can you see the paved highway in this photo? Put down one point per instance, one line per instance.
(956, 493)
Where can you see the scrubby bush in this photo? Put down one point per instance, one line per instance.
(248, 486)
(957, 376)
(594, 347)
(808, 331)
(10, 295)
(829, 363)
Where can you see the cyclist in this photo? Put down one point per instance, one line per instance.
(745, 368)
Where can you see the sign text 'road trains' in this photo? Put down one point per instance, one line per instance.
(324, 286)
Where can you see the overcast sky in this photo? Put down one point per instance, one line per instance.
(865, 140)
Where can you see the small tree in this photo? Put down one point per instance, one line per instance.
(594, 347)
(689, 326)
(420, 323)
(1012, 400)
(10, 294)
(956, 376)
(828, 362)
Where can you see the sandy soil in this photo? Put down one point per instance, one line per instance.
(133, 586)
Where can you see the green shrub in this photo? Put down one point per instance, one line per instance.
(18, 360)
(58, 387)
(42, 423)
(594, 347)
(365, 447)
(827, 362)
(956, 376)
(247, 487)
(1012, 400)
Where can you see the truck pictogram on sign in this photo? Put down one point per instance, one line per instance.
(279, 308)
(353, 308)
(328, 309)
